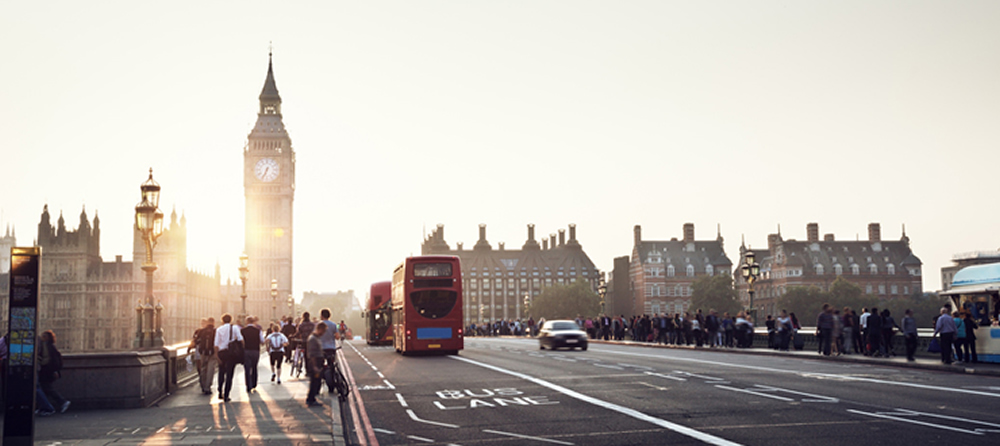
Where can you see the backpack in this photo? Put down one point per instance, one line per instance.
(206, 341)
(55, 359)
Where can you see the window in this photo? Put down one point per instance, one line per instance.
(906, 290)
(819, 269)
(690, 270)
(709, 269)
(855, 269)
(670, 270)
(649, 291)
(838, 270)
(894, 289)
(868, 288)
(873, 268)
(881, 289)
(890, 269)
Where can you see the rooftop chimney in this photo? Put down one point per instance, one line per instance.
(812, 232)
(688, 232)
(530, 243)
(482, 244)
(562, 237)
(772, 241)
(552, 241)
(500, 246)
(874, 232)
(459, 246)
(545, 243)
(531, 232)
(828, 238)
(572, 232)
(638, 234)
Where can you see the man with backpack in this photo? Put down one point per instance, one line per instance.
(205, 343)
(51, 364)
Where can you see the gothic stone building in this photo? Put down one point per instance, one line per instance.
(662, 272)
(90, 303)
(496, 281)
(882, 268)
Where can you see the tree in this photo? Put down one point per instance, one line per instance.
(714, 292)
(846, 294)
(805, 302)
(566, 301)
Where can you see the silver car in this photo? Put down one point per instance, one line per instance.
(559, 333)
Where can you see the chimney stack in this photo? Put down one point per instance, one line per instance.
(562, 237)
(440, 232)
(572, 233)
(638, 234)
(482, 232)
(772, 241)
(874, 232)
(828, 238)
(688, 232)
(552, 241)
(459, 245)
(545, 244)
(531, 232)
(812, 232)
(482, 244)
(500, 245)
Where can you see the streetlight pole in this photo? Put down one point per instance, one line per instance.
(291, 305)
(149, 222)
(274, 297)
(750, 271)
(244, 275)
(602, 290)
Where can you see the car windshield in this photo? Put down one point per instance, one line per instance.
(564, 326)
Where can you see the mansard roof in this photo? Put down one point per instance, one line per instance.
(845, 253)
(699, 253)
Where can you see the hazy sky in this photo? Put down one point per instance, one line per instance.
(605, 114)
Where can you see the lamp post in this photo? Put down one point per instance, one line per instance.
(274, 297)
(602, 290)
(291, 305)
(149, 222)
(244, 275)
(750, 271)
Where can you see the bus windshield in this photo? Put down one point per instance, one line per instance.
(432, 270)
(434, 304)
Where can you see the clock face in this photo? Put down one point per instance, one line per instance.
(266, 169)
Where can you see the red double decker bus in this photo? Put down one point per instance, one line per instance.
(378, 314)
(427, 305)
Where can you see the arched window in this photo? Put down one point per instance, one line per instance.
(670, 270)
(891, 269)
(690, 270)
(838, 270)
(819, 269)
(873, 268)
(710, 270)
(855, 269)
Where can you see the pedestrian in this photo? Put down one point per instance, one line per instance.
(772, 332)
(959, 336)
(875, 332)
(205, 345)
(910, 334)
(729, 329)
(838, 332)
(847, 321)
(289, 330)
(970, 338)
(50, 370)
(276, 343)
(824, 328)
(227, 338)
(784, 327)
(314, 363)
(193, 348)
(253, 338)
(863, 326)
(330, 337)
(945, 326)
(888, 333)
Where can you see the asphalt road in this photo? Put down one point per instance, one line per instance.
(508, 392)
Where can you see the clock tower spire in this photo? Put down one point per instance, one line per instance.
(269, 189)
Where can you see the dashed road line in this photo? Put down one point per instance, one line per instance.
(384, 431)
(921, 423)
(526, 437)
(402, 402)
(414, 417)
(765, 395)
(425, 440)
(660, 375)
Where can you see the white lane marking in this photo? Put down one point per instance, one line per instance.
(608, 366)
(806, 374)
(683, 430)
(380, 375)
(666, 376)
(425, 440)
(384, 431)
(414, 417)
(938, 426)
(765, 395)
(374, 368)
(655, 387)
(640, 367)
(527, 437)
(946, 417)
(710, 378)
(402, 402)
(815, 398)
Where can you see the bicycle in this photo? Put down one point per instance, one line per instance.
(298, 359)
(334, 378)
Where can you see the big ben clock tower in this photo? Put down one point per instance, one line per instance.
(269, 186)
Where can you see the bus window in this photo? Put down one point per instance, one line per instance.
(432, 270)
(433, 304)
(996, 308)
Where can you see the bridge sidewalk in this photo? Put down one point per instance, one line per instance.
(272, 415)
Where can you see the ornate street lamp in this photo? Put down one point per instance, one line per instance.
(149, 222)
(291, 305)
(274, 297)
(244, 276)
(602, 290)
(750, 271)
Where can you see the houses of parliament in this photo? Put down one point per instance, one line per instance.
(91, 303)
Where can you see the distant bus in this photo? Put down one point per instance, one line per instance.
(427, 305)
(378, 314)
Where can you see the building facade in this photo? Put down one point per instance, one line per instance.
(7, 242)
(661, 272)
(496, 282)
(269, 188)
(882, 268)
(964, 259)
(91, 304)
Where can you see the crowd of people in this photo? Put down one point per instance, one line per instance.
(219, 350)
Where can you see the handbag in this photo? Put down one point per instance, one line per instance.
(235, 348)
(934, 346)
